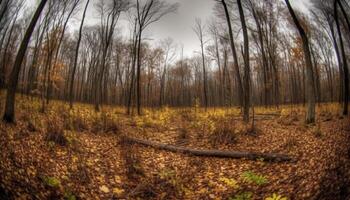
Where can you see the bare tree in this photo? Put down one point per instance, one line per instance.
(234, 54)
(76, 56)
(198, 29)
(169, 55)
(246, 100)
(109, 14)
(152, 11)
(9, 114)
(345, 62)
(310, 113)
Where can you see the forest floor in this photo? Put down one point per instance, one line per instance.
(81, 154)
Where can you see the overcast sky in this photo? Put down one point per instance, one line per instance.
(177, 26)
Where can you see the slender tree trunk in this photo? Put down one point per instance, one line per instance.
(262, 49)
(345, 15)
(310, 113)
(337, 53)
(138, 75)
(234, 53)
(345, 63)
(204, 77)
(246, 102)
(76, 57)
(134, 54)
(9, 115)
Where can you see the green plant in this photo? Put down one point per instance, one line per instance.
(52, 182)
(251, 177)
(69, 196)
(70, 137)
(232, 183)
(167, 174)
(171, 180)
(51, 145)
(276, 197)
(242, 196)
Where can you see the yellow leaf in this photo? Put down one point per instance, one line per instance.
(74, 158)
(118, 191)
(117, 179)
(104, 189)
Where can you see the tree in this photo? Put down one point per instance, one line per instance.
(310, 90)
(9, 115)
(234, 54)
(110, 14)
(152, 11)
(345, 62)
(5, 58)
(198, 29)
(76, 56)
(246, 100)
(169, 54)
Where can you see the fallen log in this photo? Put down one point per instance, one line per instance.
(272, 157)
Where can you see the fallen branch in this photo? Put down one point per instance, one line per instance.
(212, 153)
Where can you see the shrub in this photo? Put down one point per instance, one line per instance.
(187, 115)
(52, 182)
(224, 133)
(326, 115)
(81, 173)
(157, 119)
(251, 177)
(69, 196)
(55, 132)
(171, 182)
(242, 196)
(31, 127)
(145, 190)
(232, 183)
(202, 124)
(276, 197)
(105, 122)
(290, 143)
(76, 119)
(182, 136)
(109, 121)
(288, 118)
(316, 131)
(131, 160)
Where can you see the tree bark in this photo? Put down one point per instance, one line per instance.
(204, 74)
(310, 113)
(9, 115)
(76, 56)
(345, 63)
(234, 53)
(246, 101)
(213, 153)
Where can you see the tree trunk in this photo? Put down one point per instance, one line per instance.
(213, 153)
(345, 63)
(204, 76)
(310, 113)
(138, 75)
(234, 53)
(9, 115)
(337, 53)
(76, 57)
(246, 102)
